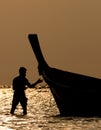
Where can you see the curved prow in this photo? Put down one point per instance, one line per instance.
(33, 38)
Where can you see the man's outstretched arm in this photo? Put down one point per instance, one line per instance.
(34, 84)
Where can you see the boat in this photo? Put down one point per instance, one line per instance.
(75, 94)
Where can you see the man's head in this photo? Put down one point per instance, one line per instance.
(22, 71)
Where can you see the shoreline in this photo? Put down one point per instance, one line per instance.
(5, 86)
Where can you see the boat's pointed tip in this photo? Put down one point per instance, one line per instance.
(30, 36)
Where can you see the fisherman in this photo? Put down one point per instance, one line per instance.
(19, 85)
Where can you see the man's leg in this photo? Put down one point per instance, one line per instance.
(24, 105)
(15, 102)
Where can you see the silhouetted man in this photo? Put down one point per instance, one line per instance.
(19, 86)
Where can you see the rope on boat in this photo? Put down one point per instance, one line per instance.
(56, 84)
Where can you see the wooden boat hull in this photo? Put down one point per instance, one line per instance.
(75, 94)
(81, 96)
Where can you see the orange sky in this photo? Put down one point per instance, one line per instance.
(68, 31)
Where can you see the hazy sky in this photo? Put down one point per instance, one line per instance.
(68, 30)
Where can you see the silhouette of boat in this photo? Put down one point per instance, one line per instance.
(75, 94)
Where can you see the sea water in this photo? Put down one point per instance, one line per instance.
(43, 114)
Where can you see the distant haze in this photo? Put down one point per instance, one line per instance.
(68, 30)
